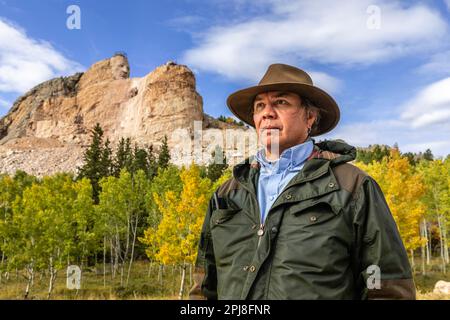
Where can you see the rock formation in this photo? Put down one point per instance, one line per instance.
(47, 129)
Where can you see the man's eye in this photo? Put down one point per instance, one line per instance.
(280, 102)
(259, 106)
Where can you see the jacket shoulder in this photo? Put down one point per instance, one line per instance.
(228, 186)
(349, 177)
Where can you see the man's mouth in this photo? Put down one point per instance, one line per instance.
(271, 127)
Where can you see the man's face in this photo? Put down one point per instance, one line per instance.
(279, 116)
(119, 67)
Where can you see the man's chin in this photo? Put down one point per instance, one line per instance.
(272, 147)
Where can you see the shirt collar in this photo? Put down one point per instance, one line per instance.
(291, 158)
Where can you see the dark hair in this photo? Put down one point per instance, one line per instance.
(311, 107)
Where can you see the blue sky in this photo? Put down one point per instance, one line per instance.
(387, 63)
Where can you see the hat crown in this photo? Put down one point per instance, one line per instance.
(283, 73)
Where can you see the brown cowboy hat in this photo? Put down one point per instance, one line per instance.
(282, 77)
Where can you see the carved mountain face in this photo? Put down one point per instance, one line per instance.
(119, 67)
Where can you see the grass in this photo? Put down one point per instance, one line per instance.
(145, 286)
(141, 285)
(425, 285)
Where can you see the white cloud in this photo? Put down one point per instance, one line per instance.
(430, 106)
(325, 81)
(439, 148)
(421, 123)
(305, 32)
(366, 133)
(388, 132)
(25, 62)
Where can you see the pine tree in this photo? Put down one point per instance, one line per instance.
(164, 155)
(218, 164)
(152, 163)
(123, 158)
(140, 160)
(428, 155)
(411, 158)
(97, 161)
(106, 162)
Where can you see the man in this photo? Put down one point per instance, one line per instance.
(297, 221)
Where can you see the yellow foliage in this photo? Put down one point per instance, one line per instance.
(403, 189)
(176, 237)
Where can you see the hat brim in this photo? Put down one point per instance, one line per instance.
(241, 103)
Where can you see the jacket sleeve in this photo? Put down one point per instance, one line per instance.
(205, 276)
(382, 264)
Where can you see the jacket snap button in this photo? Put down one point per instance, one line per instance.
(313, 218)
(260, 232)
(274, 230)
(245, 268)
(331, 184)
(252, 269)
(288, 197)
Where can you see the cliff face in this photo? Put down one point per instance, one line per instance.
(47, 129)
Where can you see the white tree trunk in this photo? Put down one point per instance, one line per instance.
(190, 275)
(104, 262)
(30, 277)
(53, 272)
(183, 276)
(161, 274)
(150, 269)
(134, 231)
(444, 233)
(428, 244)
(422, 249)
(441, 239)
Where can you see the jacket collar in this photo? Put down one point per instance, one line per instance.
(325, 154)
(290, 159)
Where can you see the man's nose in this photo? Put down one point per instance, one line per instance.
(269, 111)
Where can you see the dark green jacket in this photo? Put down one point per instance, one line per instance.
(329, 224)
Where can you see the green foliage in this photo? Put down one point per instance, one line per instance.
(428, 155)
(122, 214)
(51, 222)
(167, 179)
(140, 161)
(376, 153)
(164, 155)
(48, 226)
(372, 154)
(436, 176)
(152, 163)
(123, 157)
(230, 121)
(97, 161)
(217, 165)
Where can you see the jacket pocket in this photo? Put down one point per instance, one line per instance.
(312, 213)
(221, 216)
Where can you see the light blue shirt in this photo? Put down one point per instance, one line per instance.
(275, 175)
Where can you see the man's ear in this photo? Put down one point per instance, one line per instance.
(311, 117)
